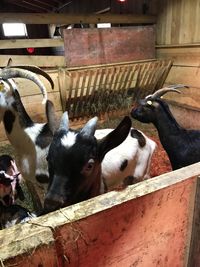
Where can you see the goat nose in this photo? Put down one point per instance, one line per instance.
(52, 203)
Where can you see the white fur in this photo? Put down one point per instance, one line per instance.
(139, 159)
(69, 139)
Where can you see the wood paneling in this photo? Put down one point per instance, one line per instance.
(178, 21)
(178, 39)
(18, 43)
(40, 61)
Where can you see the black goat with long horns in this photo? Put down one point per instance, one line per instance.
(182, 145)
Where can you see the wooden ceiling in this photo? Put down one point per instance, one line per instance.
(39, 6)
(78, 6)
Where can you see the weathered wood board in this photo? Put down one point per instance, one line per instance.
(152, 223)
(101, 46)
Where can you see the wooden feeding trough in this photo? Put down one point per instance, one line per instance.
(152, 223)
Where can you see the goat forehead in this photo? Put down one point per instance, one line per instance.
(69, 139)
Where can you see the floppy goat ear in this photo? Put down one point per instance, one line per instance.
(114, 138)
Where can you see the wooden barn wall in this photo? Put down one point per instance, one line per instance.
(178, 38)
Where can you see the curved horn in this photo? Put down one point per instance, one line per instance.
(171, 88)
(64, 123)
(12, 84)
(8, 73)
(90, 127)
(36, 70)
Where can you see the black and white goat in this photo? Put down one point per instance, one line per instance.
(29, 139)
(182, 145)
(129, 162)
(76, 160)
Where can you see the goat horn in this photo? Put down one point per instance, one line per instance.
(171, 88)
(90, 127)
(12, 84)
(64, 123)
(36, 70)
(8, 73)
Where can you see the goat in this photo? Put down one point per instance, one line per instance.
(76, 160)
(129, 162)
(182, 145)
(30, 140)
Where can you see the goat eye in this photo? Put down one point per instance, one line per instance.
(1, 86)
(88, 166)
(149, 102)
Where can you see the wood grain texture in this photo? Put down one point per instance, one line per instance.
(178, 22)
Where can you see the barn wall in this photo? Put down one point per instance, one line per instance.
(178, 38)
(102, 46)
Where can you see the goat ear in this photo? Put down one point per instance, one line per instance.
(114, 138)
(64, 123)
(20, 107)
(51, 116)
(89, 128)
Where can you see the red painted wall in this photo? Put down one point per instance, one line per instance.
(101, 46)
(150, 231)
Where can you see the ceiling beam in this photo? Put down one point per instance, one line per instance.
(54, 18)
(24, 43)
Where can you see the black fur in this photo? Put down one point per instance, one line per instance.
(8, 119)
(12, 215)
(124, 165)
(139, 136)
(44, 138)
(182, 145)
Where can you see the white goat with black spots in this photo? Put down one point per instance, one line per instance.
(29, 139)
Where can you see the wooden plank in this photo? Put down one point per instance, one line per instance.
(62, 87)
(54, 18)
(140, 211)
(25, 247)
(24, 43)
(188, 55)
(178, 22)
(186, 75)
(40, 61)
(110, 64)
(194, 250)
(187, 115)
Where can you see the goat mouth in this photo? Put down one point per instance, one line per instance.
(42, 178)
